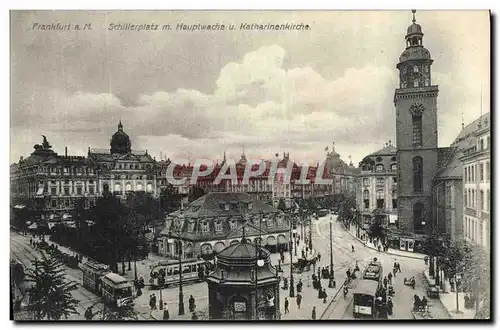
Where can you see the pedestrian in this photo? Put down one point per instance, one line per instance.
(385, 282)
(152, 301)
(307, 249)
(166, 314)
(313, 316)
(389, 277)
(320, 293)
(299, 300)
(299, 286)
(319, 256)
(89, 314)
(378, 248)
(192, 305)
(286, 306)
(324, 296)
(399, 267)
(31, 241)
(389, 306)
(348, 274)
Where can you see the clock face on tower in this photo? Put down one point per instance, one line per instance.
(413, 77)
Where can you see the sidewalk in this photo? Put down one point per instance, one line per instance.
(449, 301)
(394, 252)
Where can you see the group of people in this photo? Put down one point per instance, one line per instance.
(419, 304)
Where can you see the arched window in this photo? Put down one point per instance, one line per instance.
(417, 129)
(394, 167)
(417, 174)
(379, 168)
(418, 216)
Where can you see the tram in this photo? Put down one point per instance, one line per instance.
(117, 291)
(194, 270)
(92, 274)
(364, 298)
(374, 272)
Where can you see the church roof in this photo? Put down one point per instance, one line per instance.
(468, 130)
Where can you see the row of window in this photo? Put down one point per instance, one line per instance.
(484, 199)
(205, 227)
(477, 173)
(380, 203)
(416, 83)
(66, 191)
(138, 187)
(53, 182)
(473, 230)
(379, 181)
(122, 166)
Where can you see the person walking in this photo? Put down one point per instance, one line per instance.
(385, 282)
(389, 306)
(399, 267)
(324, 296)
(192, 305)
(313, 315)
(152, 301)
(166, 314)
(319, 256)
(286, 306)
(89, 314)
(299, 300)
(389, 277)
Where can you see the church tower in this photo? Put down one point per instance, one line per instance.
(416, 131)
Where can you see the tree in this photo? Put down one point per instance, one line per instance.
(50, 295)
(282, 205)
(434, 247)
(170, 199)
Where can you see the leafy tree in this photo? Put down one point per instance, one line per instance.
(434, 246)
(377, 229)
(50, 295)
(170, 199)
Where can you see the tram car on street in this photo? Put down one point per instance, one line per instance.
(117, 291)
(92, 274)
(374, 272)
(364, 297)
(194, 270)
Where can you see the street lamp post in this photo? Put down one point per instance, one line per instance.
(310, 231)
(292, 289)
(330, 282)
(181, 297)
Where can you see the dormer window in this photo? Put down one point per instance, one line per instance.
(204, 227)
(218, 226)
(226, 207)
(232, 224)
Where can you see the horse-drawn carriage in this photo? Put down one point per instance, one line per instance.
(302, 265)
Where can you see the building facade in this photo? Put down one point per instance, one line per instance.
(377, 192)
(51, 184)
(476, 180)
(217, 220)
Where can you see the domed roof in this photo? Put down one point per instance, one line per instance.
(242, 251)
(414, 29)
(415, 53)
(120, 141)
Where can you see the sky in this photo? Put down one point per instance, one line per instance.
(184, 94)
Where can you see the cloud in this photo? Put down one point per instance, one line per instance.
(202, 93)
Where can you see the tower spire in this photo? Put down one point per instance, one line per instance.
(413, 12)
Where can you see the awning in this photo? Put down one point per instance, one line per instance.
(40, 191)
(393, 218)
